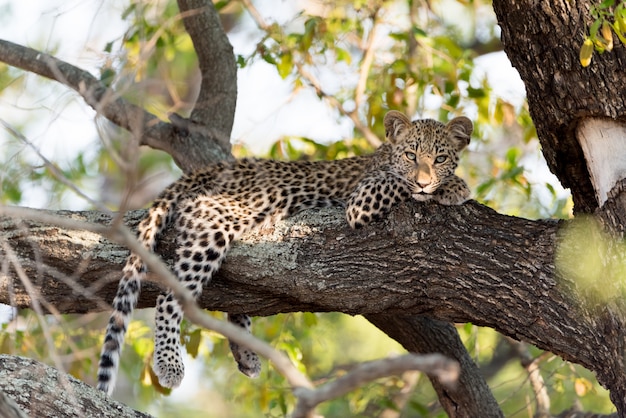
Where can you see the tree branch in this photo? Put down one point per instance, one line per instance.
(434, 364)
(471, 397)
(185, 140)
(41, 391)
(215, 105)
(456, 264)
(102, 99)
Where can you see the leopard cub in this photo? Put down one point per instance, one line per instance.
(213, 207)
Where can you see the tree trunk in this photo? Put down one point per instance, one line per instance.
(542, 39)
(579, 115)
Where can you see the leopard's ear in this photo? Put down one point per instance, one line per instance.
(395, 123)
(460, 129)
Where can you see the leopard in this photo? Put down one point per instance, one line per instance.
(213, 207)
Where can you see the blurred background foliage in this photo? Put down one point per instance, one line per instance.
(359, 59)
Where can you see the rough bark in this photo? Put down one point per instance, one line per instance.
(41, 391)
(542, 39)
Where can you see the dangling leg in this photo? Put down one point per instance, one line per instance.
(168, 360)
(247, 361)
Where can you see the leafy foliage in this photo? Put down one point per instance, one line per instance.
(610, 18)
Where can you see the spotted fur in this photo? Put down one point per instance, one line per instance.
(215, 206)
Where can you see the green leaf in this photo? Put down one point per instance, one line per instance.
(606, 4)
(418, 32)
(192, 343)
(343, 55)
(241, 61)
(593, 29)
(310, 319)
(220, 4)
(399, 36)
(478, 93)
(285, 65)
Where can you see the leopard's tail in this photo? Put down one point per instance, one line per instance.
(158, 218)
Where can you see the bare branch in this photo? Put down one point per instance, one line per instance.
(435, 364)
(101, 98)
(537, 383)
(367, 60)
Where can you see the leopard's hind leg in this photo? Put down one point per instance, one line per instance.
(206, 229)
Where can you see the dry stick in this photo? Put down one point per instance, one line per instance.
(445, 369)
(534, 376)
(36, 298)
(367, 61)
(56, 173)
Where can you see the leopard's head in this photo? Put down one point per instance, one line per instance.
(425, 152)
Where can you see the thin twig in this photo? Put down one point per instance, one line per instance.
(56, 173)
(445, 369)
(36, 306)
(531, 364)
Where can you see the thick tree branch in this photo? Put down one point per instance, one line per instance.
(457, 264)
(215, 105)
(41, 391)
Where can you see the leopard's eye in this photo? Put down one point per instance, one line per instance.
(440, 159)
(410, 155)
